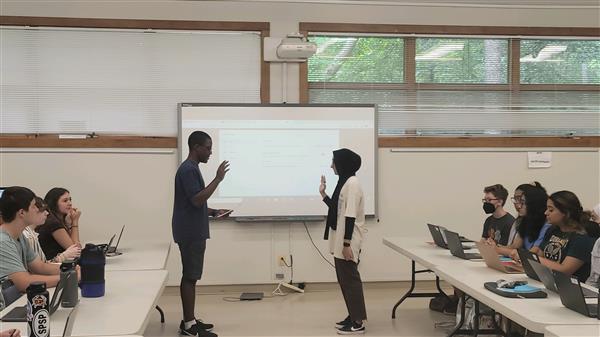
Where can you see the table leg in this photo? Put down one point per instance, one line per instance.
(161, 312)
(410, 292)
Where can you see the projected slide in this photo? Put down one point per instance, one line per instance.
(274, 161)
(277, 154)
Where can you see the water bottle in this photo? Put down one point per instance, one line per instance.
(68, 277)
(38, 316)
(92, 263)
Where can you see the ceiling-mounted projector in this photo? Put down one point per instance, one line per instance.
(296, 46)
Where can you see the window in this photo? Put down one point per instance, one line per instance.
(357, 60)
(462, 61)
(458, 85)
(560, 61)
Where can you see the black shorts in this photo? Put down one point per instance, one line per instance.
(192, 259)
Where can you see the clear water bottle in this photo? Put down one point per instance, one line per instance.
(68, 277)
(92, 263)
(38, 315)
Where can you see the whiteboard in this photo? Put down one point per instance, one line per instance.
(278, 152)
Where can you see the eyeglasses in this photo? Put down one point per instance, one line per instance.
(517, 200)
(488, 200)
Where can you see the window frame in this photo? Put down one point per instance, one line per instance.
(106, 141)
(513, 34)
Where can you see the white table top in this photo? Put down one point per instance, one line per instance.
(469, 276)
(123, 310)
(422, 251)
(141, 255)
(572, 331)
(534, 314)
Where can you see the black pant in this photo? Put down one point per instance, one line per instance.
(351, 285)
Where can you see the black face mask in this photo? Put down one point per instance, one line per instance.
(488, 208)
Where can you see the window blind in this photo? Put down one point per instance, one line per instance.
(60, 80)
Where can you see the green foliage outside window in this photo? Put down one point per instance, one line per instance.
(473, 61)
(560, 62)
(357, 60)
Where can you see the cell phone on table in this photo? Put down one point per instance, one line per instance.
(224, 213)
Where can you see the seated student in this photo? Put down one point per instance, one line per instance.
(497, 225)
(32, 237)
(594, 279)
(591, 224)
(529, 229)
(61, 229)
(566, 247)
(19, 262)
(595, 214)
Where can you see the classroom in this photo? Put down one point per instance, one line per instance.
(441, 99)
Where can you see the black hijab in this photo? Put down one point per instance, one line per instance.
(346, 164)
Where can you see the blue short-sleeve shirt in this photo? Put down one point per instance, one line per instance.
(189, 223)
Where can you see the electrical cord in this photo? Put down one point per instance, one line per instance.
(317, 248)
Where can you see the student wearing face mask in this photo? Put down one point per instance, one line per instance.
(566, 247)
(497, 226)
(529, 228)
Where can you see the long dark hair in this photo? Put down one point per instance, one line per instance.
(568, 203)
(51, 200)
(535, 202)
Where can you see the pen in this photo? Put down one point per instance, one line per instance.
(13, 332)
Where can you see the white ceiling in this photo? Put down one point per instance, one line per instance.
(454, 3)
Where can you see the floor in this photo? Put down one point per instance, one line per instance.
(310, 314)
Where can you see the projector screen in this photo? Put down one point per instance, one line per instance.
(277, 154)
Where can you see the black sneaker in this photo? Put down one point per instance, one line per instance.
(192, 331)
(204, 326)
(195, 330)
(343, 323)
(204, 333)
(352, 329)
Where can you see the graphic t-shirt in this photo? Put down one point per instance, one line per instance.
(558, 245)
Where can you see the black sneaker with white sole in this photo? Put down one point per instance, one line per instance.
(204, 326)
(196, 330)
(192, 331)
(343, 323)
(352, 329)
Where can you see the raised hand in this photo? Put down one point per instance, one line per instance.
(323, 186)
(222, 170)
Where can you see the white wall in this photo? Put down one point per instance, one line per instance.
(115, 188)
(415, 187)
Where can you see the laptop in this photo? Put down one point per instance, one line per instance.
(112, 251)
(545, 275)
(437, 234)
(571, 295)
(525, 256)
(456, 247)
(492, 260)
(104, 247)
(70, 322)
(19, 314)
